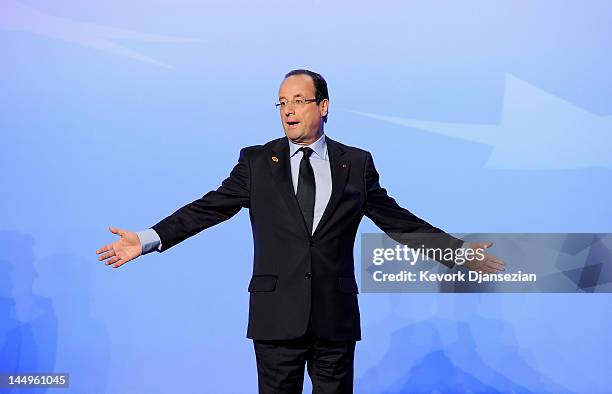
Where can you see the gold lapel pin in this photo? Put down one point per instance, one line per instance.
(275, 159)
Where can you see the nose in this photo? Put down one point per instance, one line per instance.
(289, 109)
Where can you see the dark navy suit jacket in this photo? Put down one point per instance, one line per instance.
(299, 276)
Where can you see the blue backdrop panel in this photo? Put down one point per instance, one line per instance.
(482, 116)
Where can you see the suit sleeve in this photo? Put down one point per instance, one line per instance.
(213, 208)
(395, 220)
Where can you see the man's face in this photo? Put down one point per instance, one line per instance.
(302, 124)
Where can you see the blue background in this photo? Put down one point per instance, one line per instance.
(481, 116)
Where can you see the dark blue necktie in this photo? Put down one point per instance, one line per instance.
(306, 188)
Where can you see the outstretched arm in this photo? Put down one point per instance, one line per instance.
(395, 220)
(213, 208)
(386, 213)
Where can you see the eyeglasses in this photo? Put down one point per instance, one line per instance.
(298, 103)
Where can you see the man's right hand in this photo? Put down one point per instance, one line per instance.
(126, 248)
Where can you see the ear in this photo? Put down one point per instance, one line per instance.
(324, 107)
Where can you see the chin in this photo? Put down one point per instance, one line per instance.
(294, 135)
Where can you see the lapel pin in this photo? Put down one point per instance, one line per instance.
(275, 159)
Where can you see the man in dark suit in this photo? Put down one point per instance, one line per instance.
(306, 196)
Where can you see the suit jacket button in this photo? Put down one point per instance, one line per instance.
(307, 275)
(311, 242)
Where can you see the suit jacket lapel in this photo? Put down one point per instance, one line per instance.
(339, 165)
(280, 166)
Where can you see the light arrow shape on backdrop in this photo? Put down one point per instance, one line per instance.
(16, 16)
(537, 131)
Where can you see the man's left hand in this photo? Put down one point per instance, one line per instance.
(488, 264)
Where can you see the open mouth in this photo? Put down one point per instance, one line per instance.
(292, 123)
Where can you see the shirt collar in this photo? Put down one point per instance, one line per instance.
(319, 147)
